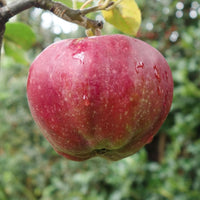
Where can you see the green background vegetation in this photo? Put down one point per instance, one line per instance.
(168, 168)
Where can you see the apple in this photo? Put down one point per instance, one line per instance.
(101, 96)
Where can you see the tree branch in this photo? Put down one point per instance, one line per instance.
(2, 27)
(14, 8)
(59, 9)
(68, 14)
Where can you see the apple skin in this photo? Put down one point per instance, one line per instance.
(101, 96)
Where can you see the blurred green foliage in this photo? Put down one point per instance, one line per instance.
(168, 168)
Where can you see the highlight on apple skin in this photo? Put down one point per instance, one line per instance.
(101, 96)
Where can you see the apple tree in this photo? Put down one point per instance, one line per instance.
(167, 168)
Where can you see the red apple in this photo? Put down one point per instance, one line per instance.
(99, 96)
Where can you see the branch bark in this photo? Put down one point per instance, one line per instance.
(2, 27)
(59, 9)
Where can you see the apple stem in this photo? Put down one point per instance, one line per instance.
(94, 31)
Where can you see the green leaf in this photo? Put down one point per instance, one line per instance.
(16, 52)
(21, 34)
(125, 16)
(66, 2)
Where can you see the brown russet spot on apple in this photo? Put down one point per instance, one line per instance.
(101, 96)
